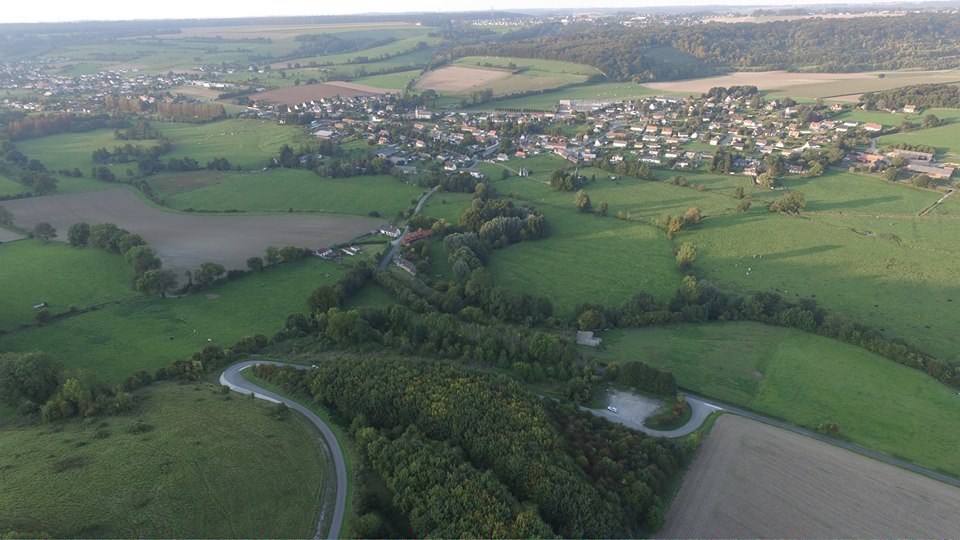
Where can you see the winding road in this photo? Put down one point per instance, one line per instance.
(395, 244)
(232, 378)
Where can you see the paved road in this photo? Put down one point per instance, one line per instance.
(395, 244)
(699, 408)
(232, 378)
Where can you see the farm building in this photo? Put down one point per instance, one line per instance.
(941, 173)
(389, 230)
(586, 338)
(419, 234)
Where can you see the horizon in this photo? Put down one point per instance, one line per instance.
(182, 9)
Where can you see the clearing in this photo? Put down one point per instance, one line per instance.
(751, 480)
(171, 468)
(184, 241)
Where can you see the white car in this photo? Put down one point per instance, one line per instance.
(612, 409)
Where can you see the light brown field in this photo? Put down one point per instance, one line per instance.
(9, 236)
(458, 79)
(184, 241)
(751, 480)
(770, 18)
(306, 92)
(811, 85)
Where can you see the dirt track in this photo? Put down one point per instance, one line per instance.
(757, 481)
(183, 241)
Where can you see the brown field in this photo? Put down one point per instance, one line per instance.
(9, 236)
(751, 480)
(307, 92)
(811, 85)
(458, 79)
(184, 241)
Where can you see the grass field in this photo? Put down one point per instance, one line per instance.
(246, 143)
(150, 333)
(279, 190)
(944, 139)
(806, 379)
(8, 186)
(69, 150)
(32, 272)
(189, 462)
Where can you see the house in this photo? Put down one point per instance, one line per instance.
(870, 126)
(586, 338)
(325, 253)
(909, 109)
(389, 230)
(405, 265)
(419, 234)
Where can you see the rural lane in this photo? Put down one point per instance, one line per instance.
(699, 411)
(395, 245)
(232, 378)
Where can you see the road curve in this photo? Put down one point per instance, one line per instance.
(699, 411)
(232, 378)
(395, 244)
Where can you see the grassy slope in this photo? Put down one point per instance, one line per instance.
(32, 272)
(8, 186)
(943, 138)
(278, 190)
(208, 465)
(247, 143)
(806, 379)
(150, 333)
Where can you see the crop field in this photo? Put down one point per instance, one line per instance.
(282, 190)
(806, 379)
(751, 480)
(847, 86)
(149, 333)
(184, 241)
(288, 31)
(548, 100)
(173, 468)
(78, 277)
(307, 92)
(472, 73)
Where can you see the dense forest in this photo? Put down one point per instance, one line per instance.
(674, 52)
(467, 453)
(921, 96)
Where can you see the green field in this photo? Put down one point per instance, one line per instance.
(530, 64)
(944, 139)
(189, 462)
(448, 206)
(280, 190)
(8, 186)
(69, 150)
(856, 193)
(806, 379)
(249, 144)
(390, 81)
(32, 272)
(150, 333)
(549, 100)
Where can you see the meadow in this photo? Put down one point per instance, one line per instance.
(282, 190)
(805, 379)
(943, 138)
(172, 468)
(32, 272)
(149, 333)
(9, 186)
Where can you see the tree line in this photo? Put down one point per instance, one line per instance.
(921, 95)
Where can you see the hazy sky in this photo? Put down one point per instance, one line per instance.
(75, 10)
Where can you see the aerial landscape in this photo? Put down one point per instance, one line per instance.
(560, 270)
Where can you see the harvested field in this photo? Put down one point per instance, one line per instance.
(7, 235)
(844, 86)
(751, 480)
(184, 241)
(307, 92)
(461, 78)
(277, 31)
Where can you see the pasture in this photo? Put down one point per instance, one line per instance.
(9, 186)
(750, 480)
(149, 333)
(171, 468)
(806, 379)
(944, 139)
(248, 144)
(292, 95)
(548, 100)
(283, 190)
(32, 272)
(184, 241)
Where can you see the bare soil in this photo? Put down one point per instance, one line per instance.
(306, 92)
(751, 480)
(184, 241)
(460, 78)
(9, 236)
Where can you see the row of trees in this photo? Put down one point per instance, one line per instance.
(922, 96)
